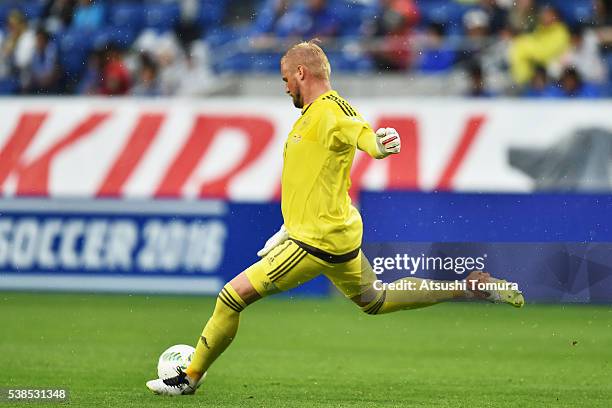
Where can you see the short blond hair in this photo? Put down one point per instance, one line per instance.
(309, 54)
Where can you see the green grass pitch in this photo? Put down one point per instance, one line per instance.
(311, 352)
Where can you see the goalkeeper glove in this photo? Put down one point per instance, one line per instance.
(275, 240)
(388, 141)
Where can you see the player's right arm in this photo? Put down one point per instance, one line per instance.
(384, 142)
(354, 131)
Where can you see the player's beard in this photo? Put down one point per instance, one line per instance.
(298, 101)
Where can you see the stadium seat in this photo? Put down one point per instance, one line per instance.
(212, 13)
(575, 12)
(265, 62)
(238, 63)
(122, 36)
(127, 15)
(32, 9)
(161, 17)
(74, 49)
(220, 36)
(351, 15)
(608, 58)
(344, 62)
(447, 13)
(4, 10)
(9, 86)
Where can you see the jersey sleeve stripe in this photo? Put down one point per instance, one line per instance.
(348, 110)
(349, 107)
(341, 107)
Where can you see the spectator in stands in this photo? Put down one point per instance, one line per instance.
(584, 54)
(89, 15)
(309, 20)
(115, 76)
(540, 85)
(436, 57)
(18, 45)
(188, 28)
(91, 82)
(8, 83)
(172, 63)
(571, 85)
(544, 45)
(148, 81)
(522, 17)
(497, 15)
(603, 12)
(477, 88)
(262, 31)
(603, 22)
(58, 14)
(394, 25)
(197, 78)
(477, 25)
(43, 73)
(268, 16)
(476, 28)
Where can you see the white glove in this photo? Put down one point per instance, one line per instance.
(275, 240)
(388, 141)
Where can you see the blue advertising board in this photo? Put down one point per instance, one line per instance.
(557, 247)
(161, 246)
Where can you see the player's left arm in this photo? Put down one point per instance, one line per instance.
(384, 142)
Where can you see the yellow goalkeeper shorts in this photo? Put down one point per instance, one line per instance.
(289, 265)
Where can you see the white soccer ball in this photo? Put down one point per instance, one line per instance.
(173, 360)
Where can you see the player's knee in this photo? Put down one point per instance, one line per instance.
(243, 288)
(375, 303)
(229, 298)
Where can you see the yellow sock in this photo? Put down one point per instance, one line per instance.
(391, 300)
(218, 333)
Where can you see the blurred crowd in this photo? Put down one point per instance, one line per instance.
(530, 48)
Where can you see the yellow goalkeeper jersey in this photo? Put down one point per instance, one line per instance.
(318, 156)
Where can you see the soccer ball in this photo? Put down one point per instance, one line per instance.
(173, 360)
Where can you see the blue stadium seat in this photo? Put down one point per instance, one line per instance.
(235, 64)
(122, 36)
(222, 35)
(608, 58)
(445, 12)
(340, 61)
(352, 15)
(32, 9)
(265, 62)
(75, 47)
(4, 10)
(574, 12)
(161, 17)
(212, 13)
(127, 15)
(9, 86)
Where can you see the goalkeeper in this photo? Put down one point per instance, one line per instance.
(322, 231)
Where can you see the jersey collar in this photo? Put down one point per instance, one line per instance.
(330, 92)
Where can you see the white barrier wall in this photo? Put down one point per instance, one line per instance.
(232, 148)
